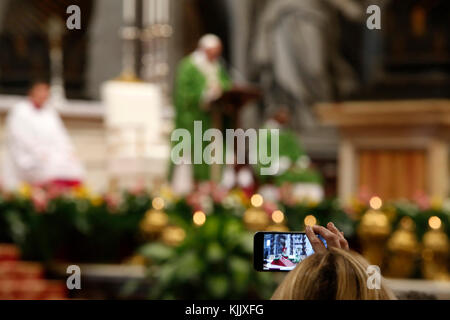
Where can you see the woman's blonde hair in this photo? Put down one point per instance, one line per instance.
(334, 274)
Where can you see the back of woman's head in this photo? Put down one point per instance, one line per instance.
(334, 274)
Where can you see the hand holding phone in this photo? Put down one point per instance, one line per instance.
(282, 251)
(333, 237)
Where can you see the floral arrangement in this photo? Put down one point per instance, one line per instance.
(48, 223)
(208, 232)
(77, 225)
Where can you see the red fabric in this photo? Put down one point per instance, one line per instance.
(283, 262)
(65, 183)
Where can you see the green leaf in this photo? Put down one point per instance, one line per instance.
(232, 230)
(166, 274)
(129, 288)
(215, 252)
(156, 251)
(217, 286)
(246, 242)
(17, 226)
(212, 227)
(189, 266)
(240, 270)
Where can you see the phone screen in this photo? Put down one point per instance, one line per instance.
(281, 251)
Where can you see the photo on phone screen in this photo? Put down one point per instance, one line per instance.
(281, 251)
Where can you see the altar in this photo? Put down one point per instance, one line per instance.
(392, 149)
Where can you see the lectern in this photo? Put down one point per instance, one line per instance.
(393, 149)
(231, 103)
(229, 107)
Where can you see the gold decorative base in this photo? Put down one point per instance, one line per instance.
(128, 77)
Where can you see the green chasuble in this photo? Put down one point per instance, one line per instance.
(289, 148)
(189, 89)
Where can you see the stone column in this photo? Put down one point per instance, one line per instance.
(438, 167)
(105, 45)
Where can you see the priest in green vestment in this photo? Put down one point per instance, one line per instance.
(201, 79)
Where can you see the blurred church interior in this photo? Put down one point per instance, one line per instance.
(407, 59)
(370, 107)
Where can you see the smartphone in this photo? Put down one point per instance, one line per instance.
(280, 251)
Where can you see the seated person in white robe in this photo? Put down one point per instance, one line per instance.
(38, 149)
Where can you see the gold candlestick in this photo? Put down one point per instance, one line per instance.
(129, 35)
(435, 252)
(373, 231)
(255, 218)
(403, 249)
